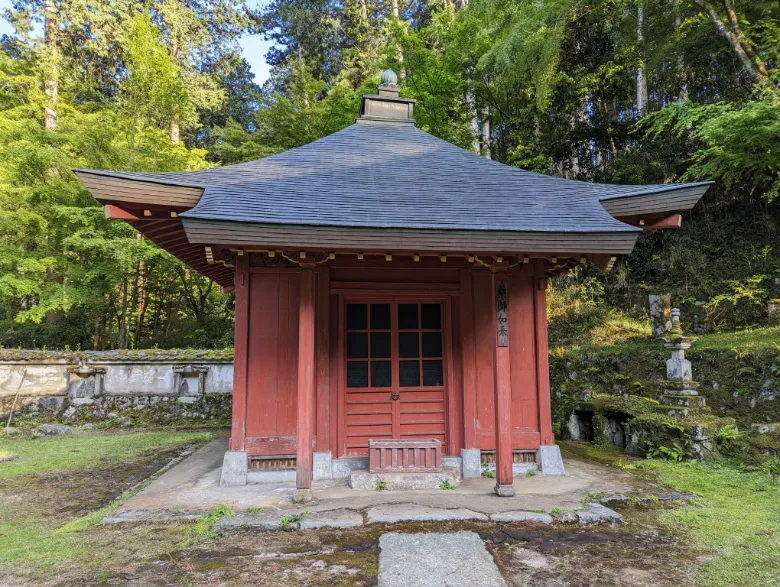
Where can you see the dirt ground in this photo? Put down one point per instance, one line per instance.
(528, 555)
(636, 553)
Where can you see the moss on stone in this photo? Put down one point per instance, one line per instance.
(155, 355)
(737, 382)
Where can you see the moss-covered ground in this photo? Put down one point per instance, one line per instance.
(53, 496)
(739, 372)
(64, 483)
(736, 519)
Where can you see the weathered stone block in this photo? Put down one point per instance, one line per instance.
(342, 467)
(595, 513)
(235, 466)
(573, 428)
(366, 481)
(472, 462)
(392, 513)
(51, 430)
(549, 460)
(602, 432)
(322, 466)
(504, 490)
(678, 367)
(455, 559)
(519, 516)
(660, 314)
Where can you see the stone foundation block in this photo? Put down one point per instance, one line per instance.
(549, 460)
(453, 462)
(342, 467)
(504, 490)
(234, 468)
(365, 481)
(471, 462)
(271, 476)
(322, 466)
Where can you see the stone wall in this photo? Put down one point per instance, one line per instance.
(743, 384)
(131, 387)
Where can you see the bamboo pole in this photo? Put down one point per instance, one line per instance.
(13, 405)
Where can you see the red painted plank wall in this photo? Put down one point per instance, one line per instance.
(272, 363)
(525, 407)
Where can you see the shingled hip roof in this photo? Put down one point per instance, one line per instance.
(397, 176)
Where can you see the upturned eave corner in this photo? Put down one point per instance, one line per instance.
(654, 208)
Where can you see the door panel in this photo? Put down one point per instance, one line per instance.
(395, 367)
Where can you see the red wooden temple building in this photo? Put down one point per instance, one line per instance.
(388, 285)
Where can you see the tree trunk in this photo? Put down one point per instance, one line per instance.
(756, 69)
(486, 137)
(474, 121)
(364, 10)
(122, 318)
(141, 294)
(760, 65)
(50, 83)
(680, 60)
(175, 126)
(399, 54)
(641, 75)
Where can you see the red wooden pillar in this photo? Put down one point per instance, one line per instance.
(502, 385)
(468, 360)
(323, 360)
(241, 354)
(542, 362)
(306, 387)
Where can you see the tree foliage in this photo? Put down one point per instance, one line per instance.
(621, 91)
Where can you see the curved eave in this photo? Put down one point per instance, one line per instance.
(152, 208)
(300, 236)
(111, 189)
(656, 203)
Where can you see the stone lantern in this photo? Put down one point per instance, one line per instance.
(680, 394)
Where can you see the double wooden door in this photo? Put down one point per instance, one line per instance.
(394, 373)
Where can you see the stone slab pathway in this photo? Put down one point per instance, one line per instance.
(299, 518)
(392, 513)
(457, 559)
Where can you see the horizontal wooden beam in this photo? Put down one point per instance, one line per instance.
(271, 445)
(673, 221)
(116, 213)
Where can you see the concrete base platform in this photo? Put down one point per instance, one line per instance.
(365, 481)
(192, 488)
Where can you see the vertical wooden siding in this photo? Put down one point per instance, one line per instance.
(273, 359)
(522, 337)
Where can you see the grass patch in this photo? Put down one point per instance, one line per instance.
(48, 520)
(737, 518)
(758, 338)
(204, 526)
(639, 340)
(605, 454)
(6, 455)
(78, 451)
(292, 520)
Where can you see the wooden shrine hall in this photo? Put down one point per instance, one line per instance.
(389, 286)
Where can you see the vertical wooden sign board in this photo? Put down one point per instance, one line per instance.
(502, 314)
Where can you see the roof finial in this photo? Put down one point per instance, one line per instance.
(389, 78)
(388, 86)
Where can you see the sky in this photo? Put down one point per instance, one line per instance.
(253, 47)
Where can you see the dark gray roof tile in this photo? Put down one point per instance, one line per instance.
(397, 176)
